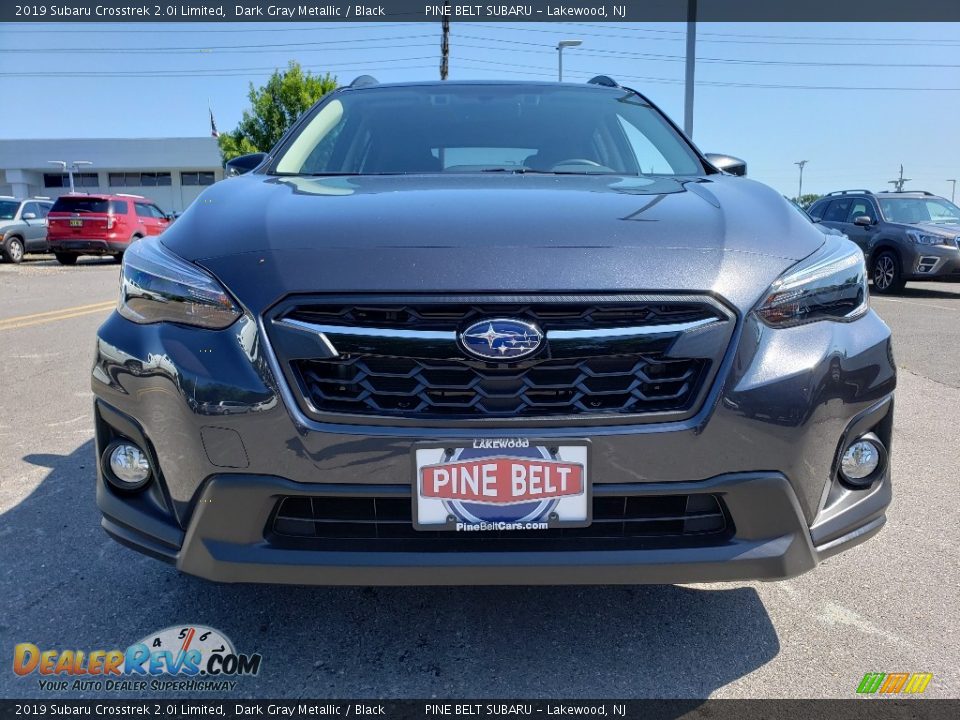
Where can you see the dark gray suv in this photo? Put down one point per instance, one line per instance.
(478, 333)
(904, 235)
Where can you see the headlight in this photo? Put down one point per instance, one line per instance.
(158, 286)
(924, 239)
(831, 284)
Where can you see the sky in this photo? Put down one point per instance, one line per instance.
(854, 100)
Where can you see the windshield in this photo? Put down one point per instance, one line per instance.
(487, 128)
(919, 210)
(8, 209)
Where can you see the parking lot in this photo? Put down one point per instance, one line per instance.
(890, 605)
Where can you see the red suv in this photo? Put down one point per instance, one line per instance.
(100, 224)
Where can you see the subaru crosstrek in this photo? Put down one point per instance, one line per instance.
(904, 235)
(476, 333)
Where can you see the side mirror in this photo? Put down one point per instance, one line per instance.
(728, 163)
(29, 216)
(863, 220)
(244, 163)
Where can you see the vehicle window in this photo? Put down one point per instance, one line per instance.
(649, 159)
(480, 127)
(837, 210)
(143, 210)
(158, 213)
(31, 207)
(861, 207)
(44, 209)
(816, 210)
(119, 207)
(8, 209)
(917, 210)
(74, 204)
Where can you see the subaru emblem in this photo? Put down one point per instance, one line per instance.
(501, 339)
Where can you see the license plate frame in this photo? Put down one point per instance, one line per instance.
(76, 223)
(575, 451)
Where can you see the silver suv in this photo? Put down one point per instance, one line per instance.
(23, 227)
(904, 235)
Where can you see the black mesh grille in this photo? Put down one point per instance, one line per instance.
(397, 357)
(459, 388)
(548, 315)
(384, 523)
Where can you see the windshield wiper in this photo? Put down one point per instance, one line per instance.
(531, 171)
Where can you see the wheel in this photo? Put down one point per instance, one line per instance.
(14, 249)
(66, 258)
(887, 276)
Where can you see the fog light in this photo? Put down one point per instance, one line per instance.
(129, 466)
(861, 460)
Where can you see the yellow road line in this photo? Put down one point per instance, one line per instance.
(65, 314)
(18, 318)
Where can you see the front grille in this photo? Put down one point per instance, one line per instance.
(548, 315)
(384, 524)
(459, 388)
(398, 357)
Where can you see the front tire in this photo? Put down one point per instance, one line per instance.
(887, 274)
(14, 250)
(66, 258)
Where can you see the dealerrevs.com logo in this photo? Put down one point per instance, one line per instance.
(177, 658)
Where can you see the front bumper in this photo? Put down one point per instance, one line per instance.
(932, 262)
(227, 444)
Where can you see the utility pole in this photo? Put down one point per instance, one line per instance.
(800, 189)
(953, 190)
(899, 182)
(690, 67)
(445, 42)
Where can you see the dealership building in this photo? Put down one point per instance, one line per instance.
(170, 171)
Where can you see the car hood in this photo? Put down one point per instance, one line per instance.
(948, 229)
(266, 237)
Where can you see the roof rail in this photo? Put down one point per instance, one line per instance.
(915, 192)
(130, 195)
(40, 197)
(849, 192)
(604, 80)
(364, 81)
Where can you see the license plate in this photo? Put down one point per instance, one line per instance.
(504, 484)
(76, 223)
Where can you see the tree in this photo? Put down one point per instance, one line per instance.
(273, 108)
(807, 199)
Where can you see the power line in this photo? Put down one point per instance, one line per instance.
(818, 38)
(878, 42)
(271, 47)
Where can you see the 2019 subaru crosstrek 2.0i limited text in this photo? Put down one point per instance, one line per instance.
(477, 333)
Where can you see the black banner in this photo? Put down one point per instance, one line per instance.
(530, 11)
(860, 709)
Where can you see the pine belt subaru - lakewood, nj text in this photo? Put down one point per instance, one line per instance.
(478, 333)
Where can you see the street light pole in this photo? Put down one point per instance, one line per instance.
(953, 190)
(800, 189)
(69, 168)
(560, 46)
(690, 66)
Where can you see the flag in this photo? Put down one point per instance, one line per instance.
(213, 125)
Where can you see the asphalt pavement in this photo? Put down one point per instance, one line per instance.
(890, 605)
